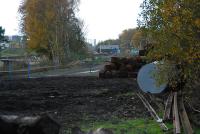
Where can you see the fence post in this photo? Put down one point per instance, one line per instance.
(10, 69)
(29, 70)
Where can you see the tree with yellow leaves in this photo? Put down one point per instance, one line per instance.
(125, 39)
(173, 28)
(52, 28)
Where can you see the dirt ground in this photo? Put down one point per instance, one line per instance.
(72, 100)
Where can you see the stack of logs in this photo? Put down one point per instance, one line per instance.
(122, 67)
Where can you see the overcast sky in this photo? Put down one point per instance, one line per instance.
(104, 19)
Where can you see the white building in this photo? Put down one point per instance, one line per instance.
(114, 49)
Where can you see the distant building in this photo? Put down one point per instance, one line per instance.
(15, 38)
(109, 49)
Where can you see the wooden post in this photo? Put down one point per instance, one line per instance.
(176, 116)
(184, 118)
(168, 107)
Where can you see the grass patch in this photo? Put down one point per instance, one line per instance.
(137, 126)
(197, 130)
(12, 52)
(100, 59)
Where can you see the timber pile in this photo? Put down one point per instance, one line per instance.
(122, 67)
(175, 109)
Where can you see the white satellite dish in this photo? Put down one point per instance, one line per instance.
(147, 81)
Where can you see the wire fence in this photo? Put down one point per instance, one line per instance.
(34, 66)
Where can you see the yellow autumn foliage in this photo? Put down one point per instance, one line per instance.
(51, 27)
(174, 27)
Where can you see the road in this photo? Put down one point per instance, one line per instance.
(75, 71)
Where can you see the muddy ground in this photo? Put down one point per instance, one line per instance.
(72, 100)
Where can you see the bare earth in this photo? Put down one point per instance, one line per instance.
(73, 100)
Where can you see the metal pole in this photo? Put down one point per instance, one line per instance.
(29, 70)
(0, 52)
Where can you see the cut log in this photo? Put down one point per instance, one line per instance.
(122, 74)
(131, 60)
(129, 68)
(138, 59)
(110, 67)
(108, 74)
(115, 60)
(115, 74)
(124, 60)
(123, 68)
(132, 74)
